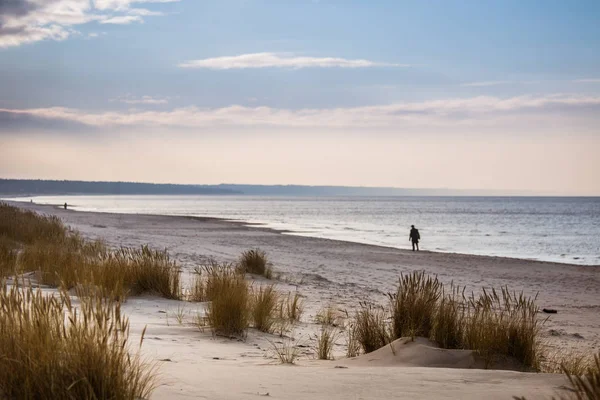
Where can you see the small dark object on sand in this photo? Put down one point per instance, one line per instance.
(549, 311)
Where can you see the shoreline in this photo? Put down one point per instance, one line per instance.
(260, 226)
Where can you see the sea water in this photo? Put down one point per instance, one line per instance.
(564, 229)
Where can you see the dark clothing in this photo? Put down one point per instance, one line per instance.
(414, 238)
(414, 235)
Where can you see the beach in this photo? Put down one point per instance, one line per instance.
(193, 364)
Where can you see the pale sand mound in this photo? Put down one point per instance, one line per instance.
(422, 352)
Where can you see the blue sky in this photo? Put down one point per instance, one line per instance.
(371, 75)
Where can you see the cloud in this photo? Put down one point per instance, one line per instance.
(124, 5)
(587, 80)
(144, 12)
(280, 60)
(142, 100)
(122, 20)
(28, 21)
(475, 110)
(487, 83)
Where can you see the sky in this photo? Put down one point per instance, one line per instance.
(499, 95)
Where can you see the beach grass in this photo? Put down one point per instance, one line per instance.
(255, 261)
(63, 259)
(27, 227)
(264, 308)
(587, 384)
(496, 324)
(52, 348)
(448, 320)
(329, 315)
(584, 379)
(370, 328)
(228, 312)
(413, 305)
(8, 256)
(325, 340)
(294, 306)
(125, 271)
(286, 351)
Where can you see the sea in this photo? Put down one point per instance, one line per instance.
(559, 229)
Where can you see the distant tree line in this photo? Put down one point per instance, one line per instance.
(51, 187)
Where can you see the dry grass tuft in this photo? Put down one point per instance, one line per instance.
(500, 324)
(353, 346)
(264, 308)
(125, 271)
(329, 315)
(197, 291)
(83, 356)
(255, 262)
(228, 312)
(285, 351)
(575, 363)
(8, 256)
(150, 271)
(496, 324)
(325, 341)
(211, 278)
(27, 227)
(370, 329)
(586, 385)
(413, 306)
(64, 259)
(294, 306)
(448, 321)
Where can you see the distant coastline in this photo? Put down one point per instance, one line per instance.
(39, 187)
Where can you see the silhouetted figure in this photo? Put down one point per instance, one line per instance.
(414, 237)
(65, 206)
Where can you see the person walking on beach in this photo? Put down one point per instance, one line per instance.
(414, 237)
(65, 206)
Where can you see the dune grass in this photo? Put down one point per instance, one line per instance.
(495, 324)
(255, 262)
(123, 272)
(325, 340)
(503, 324)
(285, 351)
(52, 349)
(228, 312)
(413, 305)
(584, 380)
(587, 384)
(294, 306)
(370, 329)
(264, 308)
(8, 256)
(449, 320)
(329, 315)
(63, 259)
(28, 227)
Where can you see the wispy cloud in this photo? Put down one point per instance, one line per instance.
(487, 83)
(122, 20)
(124, 5)
(429, 113)
(141, 100)
(593, 80)
(281, 60)
(27, 21)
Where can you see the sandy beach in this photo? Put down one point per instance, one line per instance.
(193, 364)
